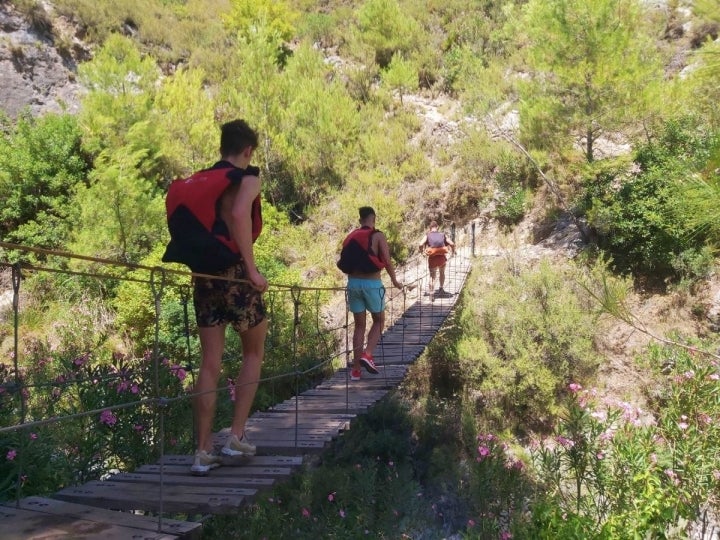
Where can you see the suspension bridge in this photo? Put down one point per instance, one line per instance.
(144, 501)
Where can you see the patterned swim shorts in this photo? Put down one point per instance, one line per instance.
(219, 301)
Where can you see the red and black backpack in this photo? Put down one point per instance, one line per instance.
(199, 238)
(356, 255)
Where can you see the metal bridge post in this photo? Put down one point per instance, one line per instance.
(472, 238)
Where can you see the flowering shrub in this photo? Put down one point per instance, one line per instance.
(86, 446)
(499, 486)
(611, 468)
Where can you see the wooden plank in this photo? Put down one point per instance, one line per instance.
(340, 393)
(263, 431)
(181, 476)
(321, 426)
(130, 523)
(321, 409)
(265, 447)
(275, 461)
(19, 524)
(288, 434)
(177, 491)
(180, 499)
(187, 530)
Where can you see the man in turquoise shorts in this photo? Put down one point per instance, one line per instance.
(364, 254)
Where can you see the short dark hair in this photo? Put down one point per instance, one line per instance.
(366, 211)
(235, 136)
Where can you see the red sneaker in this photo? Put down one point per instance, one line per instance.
(366, 361)
(355, 375)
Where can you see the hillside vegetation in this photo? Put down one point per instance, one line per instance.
(513, 115)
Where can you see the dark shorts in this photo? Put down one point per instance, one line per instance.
(436, 261)
(219, 301)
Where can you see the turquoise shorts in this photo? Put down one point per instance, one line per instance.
(365, 295)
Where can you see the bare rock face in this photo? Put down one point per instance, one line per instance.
(34, 76)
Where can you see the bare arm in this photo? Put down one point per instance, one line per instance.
(450, 243)
(423, 243)
(383, 251)
(241, 227)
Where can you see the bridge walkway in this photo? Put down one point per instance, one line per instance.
(132, 504)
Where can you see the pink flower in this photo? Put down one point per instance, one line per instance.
(567, 443)
(305, 513)
(505, 535)
(470, 523)
(714, 376)
(574, 387)
(33, 436)
(80, 360)
(331, 497)
(683, 425)
(672, 475)
(11, 455)
(342, 513)
(134, 389)
(108, 418)
(484, 451)
(716, 474)
(178, 371)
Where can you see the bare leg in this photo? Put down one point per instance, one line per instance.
(433, 272)
(246, 384)
(375, 331)
(212, 343)
(358, 337)
(442, 276)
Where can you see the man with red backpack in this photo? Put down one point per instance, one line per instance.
(364, 254)
(214, 218)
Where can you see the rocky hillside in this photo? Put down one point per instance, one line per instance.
(38, 60)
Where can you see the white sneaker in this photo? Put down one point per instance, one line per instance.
(238, 447)
(204, 462)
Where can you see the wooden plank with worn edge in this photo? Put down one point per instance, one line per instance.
(187, 530)
(179, 499)
(19, 524)
(181, 477)
(273, 461)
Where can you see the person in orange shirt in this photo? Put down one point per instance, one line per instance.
(436, 246)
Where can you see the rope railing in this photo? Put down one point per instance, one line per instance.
(295, 356)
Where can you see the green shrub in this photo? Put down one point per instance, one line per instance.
(512, 205)
(41, 163)
(524, 338)
(641, 215)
